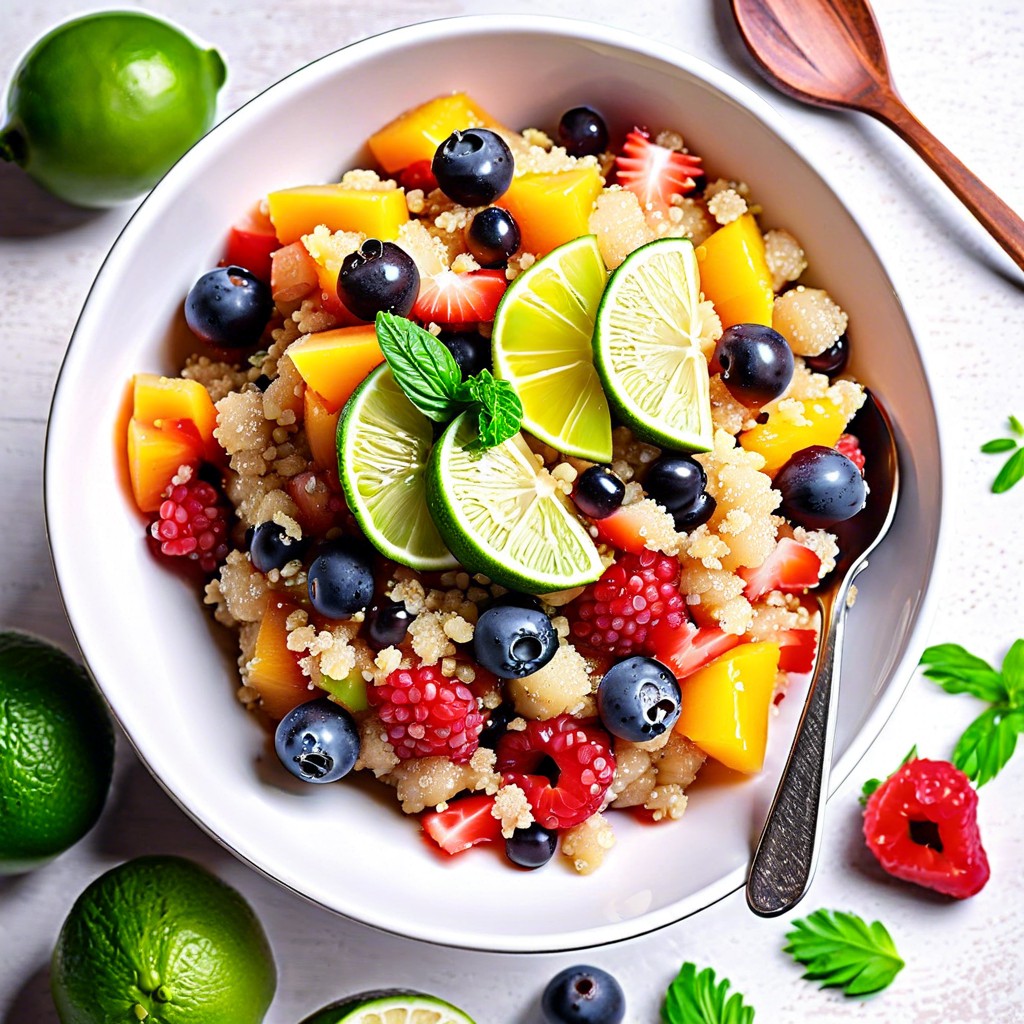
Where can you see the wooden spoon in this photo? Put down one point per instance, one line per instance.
(830, 52)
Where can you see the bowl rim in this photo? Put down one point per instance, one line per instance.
(573, 30)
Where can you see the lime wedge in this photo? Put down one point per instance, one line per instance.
(383, 446)
(542, 345)
(502, 515)
(647, 346)
(390, 1008)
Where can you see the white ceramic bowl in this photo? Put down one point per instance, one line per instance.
(168, 674)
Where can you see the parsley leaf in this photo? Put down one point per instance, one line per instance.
(840, 949)
(988, 743)
(956, 670)
(1000, 444)
(699, 998)
(1010, 474)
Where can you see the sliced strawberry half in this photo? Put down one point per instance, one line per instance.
(454, 298)
(655, 173)
(790, 567)
(463, 824)
(797, 648)
(625, 528)
(688, 647)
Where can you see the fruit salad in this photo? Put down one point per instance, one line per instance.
(511, 460)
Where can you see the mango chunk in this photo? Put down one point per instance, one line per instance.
(157, 399)
(551, 209)
(783, 435)
(321, 430)
(416, 134)
(734, 274)
(274, 670)
(156, 453)
(297, 211)
(333, 363)
(726, 704)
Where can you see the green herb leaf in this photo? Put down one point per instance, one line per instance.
(842, 950)
(699, 998)
(1016, 426)
(872, 784)
(1010, 474)
(1012, 672)
(988, 743)
(956, 670)
(1000, 444)
(501, 411)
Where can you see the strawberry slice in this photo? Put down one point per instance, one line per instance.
(454, 298)
(463, 824)
(654, 172)
(849, 445)
(688, 647)
(790, 567)
(797, 648)
(626, 527)
(419, 174)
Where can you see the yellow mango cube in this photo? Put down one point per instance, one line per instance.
(321, 423)
(333, 363)
(155, 454)
(551, 209)
(784, 434)
(734, 274)
(157, 399)
(725, 705)
(295, 212)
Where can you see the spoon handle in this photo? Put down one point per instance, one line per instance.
(994, 215)
(786, 853)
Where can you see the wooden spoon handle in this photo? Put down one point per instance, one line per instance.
(995, 216)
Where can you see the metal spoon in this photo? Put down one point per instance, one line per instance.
(785, 858)
(830, 52)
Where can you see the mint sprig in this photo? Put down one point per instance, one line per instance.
(1012, 470)
(699, 998)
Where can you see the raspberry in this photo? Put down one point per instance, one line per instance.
(582, 755)
(192, 523)
(922, 825)
(427, 714)
(618, 611)
(849, 446)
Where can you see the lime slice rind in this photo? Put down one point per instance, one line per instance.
(647, 346)
(394, 1007)
(384, 445)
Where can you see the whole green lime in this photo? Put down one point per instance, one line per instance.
(56, 752)
(161, 940)
(103, 105)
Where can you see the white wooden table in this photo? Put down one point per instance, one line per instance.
(961, 68)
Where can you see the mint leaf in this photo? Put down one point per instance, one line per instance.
(501, 411)
(1000, 444)
(1010, 474)
(956, 670)
(844, 951)
(988, 743)
(1012, 672)
(699, 998)
(1016, 426)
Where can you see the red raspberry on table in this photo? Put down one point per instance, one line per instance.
(583, 757)
(922, 825)
(636, 593)
(192, 523)
(426, 714)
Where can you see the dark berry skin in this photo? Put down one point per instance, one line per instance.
(474, 167)
(228, 308)
(497, 725)
(472, 352)
(833, 360)
(492, 237)
(701, 512)
(820, 487)
(271, 548)
(387, 624)
(513, 641)
(638, 699)
(531, 847)
(582, 132)
(380, 278)
(583, 995)
(676, 482)
(756, 363)
(341, 577)
(598, 492)
(318, 741)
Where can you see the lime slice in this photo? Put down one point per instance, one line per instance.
(647, 346)
(390, 1008)
(502, 515)
(383, 446)
(542, 344)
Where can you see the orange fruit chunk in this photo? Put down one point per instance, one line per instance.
(377, 214)
(321, 429)
(782, 436)
(734, 274)
(158, 399)
(156, 453)
(333, 363)
(274, 670)
(551, 209)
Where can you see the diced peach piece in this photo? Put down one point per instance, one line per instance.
(293, 273)
(551, 209)
(155, 454)
(158, 399)
(734, 274)
(321, 429)
(333, 363)
(296, 211)
(781, 437)
(274, 670)
(725, 705)
(416, 134)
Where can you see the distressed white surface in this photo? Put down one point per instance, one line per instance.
(960, 68)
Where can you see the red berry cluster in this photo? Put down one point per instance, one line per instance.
(192, 523)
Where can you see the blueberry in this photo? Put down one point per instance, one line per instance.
(473, 167)
(471, 351)
(820, 487)
(228, 307)
(380, 278)
(638, 699)
(492, 236)
(582, 132)
(341, 578)
(513, 641)
(497, 724)
(271, 548)
(387, 624)
(263, 382)
(833, 359)
(675, 481)
(598, 492)
(583, 995)
(531, 847)
(756, 363)
(702, 511)
(318, 741)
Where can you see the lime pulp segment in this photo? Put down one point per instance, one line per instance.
(404, 1009)
(542, 345)
(502, 515)
(384, 444)
(647, 343)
